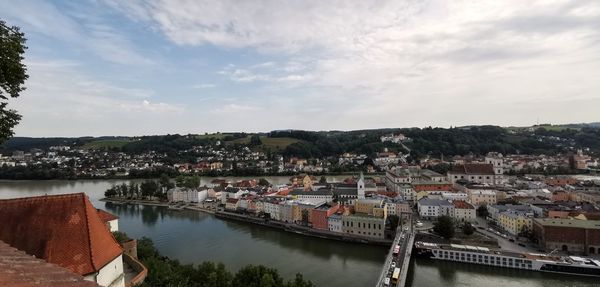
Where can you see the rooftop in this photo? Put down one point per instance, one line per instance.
(575, 223)
(18, 268)
(62, 229)
(473, 168)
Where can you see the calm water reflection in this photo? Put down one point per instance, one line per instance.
(193, 237)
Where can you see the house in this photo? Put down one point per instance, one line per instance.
(463, 211)
(473, 172)
(434, 208)
(111, 221)
(18, 268)
(515, 222)
(479, 197)
(334, 223)
(232, 204)
(65, 230)
(320, 215)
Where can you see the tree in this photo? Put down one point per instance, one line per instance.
(13, 74)
(482, 211)
(323, 179)
(149, 188)
(263, 182)
(393, 221)
(255, 140)
(444, 226)
(468, 229)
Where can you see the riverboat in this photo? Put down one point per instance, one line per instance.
(500, 258)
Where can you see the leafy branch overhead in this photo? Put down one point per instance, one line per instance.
(13, 74)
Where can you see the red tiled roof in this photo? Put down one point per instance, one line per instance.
(19, 269)
(461, 204)
(106, 216)
(62, 229)
(473, 168)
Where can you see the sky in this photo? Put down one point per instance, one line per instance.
(111, 67)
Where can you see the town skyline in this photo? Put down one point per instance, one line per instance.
(104, 67)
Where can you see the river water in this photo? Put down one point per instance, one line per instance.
(194, 237)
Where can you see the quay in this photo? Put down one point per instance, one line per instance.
(302, 230)
(288, 227)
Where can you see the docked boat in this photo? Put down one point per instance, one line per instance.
(494, 257)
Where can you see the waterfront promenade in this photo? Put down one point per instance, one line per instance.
(288, 227)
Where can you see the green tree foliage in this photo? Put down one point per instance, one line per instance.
(255, 140)
(468, 229)
(187, 181)
(263, 182)
(323, 179)
(482, 211)
(13, 74)
(444, 227)
(163, 271)
(393, 221)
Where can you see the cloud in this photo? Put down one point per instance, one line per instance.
(62, 100)
(84, 29)
(203, 86)
(235, 108)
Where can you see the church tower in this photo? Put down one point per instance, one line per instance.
(360, 186)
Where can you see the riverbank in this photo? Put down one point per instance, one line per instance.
(303, 230)
(154, 203)
(288, 227)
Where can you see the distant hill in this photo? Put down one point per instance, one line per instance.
(546, 139)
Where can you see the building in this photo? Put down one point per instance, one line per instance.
(18, 268)
(65, 230)
(515, 222)
(494, 211)
(111, 221)
(334, 223)
(479, 197)
(497, 161)
(473, 172)
(320, 215)
(463, 211)
(186, 195)
(368, 206)
(232, 204)
(321, 193)
(434, 208)
(363, 225)
(568, 235)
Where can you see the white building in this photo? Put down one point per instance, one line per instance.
(334, 223)
(433, 208)
(463, 211)
(474, 172)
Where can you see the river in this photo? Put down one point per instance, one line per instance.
(194, 237)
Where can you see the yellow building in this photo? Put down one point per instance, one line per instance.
(366, 206)
(514, 222)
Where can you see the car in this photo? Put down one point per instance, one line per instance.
(521, 244)
(511, 240)
(480, 227)
(419, 224)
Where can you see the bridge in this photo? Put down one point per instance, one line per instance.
(405, 237)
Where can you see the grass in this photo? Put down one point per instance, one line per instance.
(98, 144)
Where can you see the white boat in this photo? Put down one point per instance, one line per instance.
(507, 259)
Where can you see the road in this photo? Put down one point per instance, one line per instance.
(401, 239)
